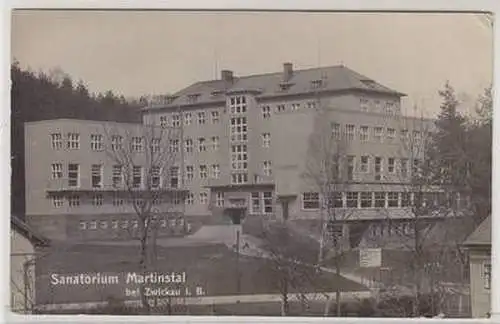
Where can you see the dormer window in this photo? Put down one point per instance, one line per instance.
(315, 84)
(216, 93)
(369, 83)
(192, 98)
(284, 86)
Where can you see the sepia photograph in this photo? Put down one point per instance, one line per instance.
(251, 163)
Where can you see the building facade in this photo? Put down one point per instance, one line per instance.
(479, 247)
(243, 147)
(23, 244)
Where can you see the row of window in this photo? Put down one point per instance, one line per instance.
(173, 223)
(378, 133)
(98, 200)
(188, 118)
(281, 108)
(366, 199)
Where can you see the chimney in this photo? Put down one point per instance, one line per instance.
(287, 71)
(227, 75)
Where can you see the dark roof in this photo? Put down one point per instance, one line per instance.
(482, 234)
(333, 78)
(21, 227)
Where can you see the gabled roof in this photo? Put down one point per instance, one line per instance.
(333, 78)
(21, 227)
(482, 234)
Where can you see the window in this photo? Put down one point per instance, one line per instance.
(190, 198)
(219, 199)
(390, 165)
(163, 121)
(405, 199)
(203, 171)
(266, 140)
(311, 105)
(315, 84)
(155, 177)
(136, 177)
(93, 225)
(137, 144)
(83, 225)
(117, 175)
(280, 108)
(189, 172)
(487, 275)
(350, 168)
(349, 129)
(97, 200)
(174, 177)
(155, 145)
(390, 107)
(377, 105)
(56, 141)
(74, 201)
(380, 199)
(117, 200)
(73, 141)
(238, 104)
(239, 157)
(104, 224)
(364, 104)
(391, 133)
(73, 175)
(187, 119)
(96, 171)
(96, 142)
(378, 133)
(176, 120)
(201, 145)
(188, 145)
(266, 112)
(335, 200)
(174, 145)
(239, 178)
(267, 169)
(238, 129)
(215, 117)
(403, 135)
(57, 201)
(416, 165)
(268, 202)
(366, 200)
(215, 171)
(114, 224)
(352, 199)
(203, 198)
(125, 223)
(310, 200)
(404, 168)
(392, 199)
(56, 170)
(116, 142)
(295, 106)
(336, 130)
(215, 143)
(363, 167)
(417, 136)
(378, 168)
(255, 203)
(201, 118)
(363, 133)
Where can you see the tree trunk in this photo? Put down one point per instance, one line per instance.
(327, 306)
(143, 264)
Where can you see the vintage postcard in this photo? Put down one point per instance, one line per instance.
(251, 163)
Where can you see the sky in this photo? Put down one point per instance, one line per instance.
(135, 53)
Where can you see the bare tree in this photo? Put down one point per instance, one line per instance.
(147, 173)
(329, 170)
